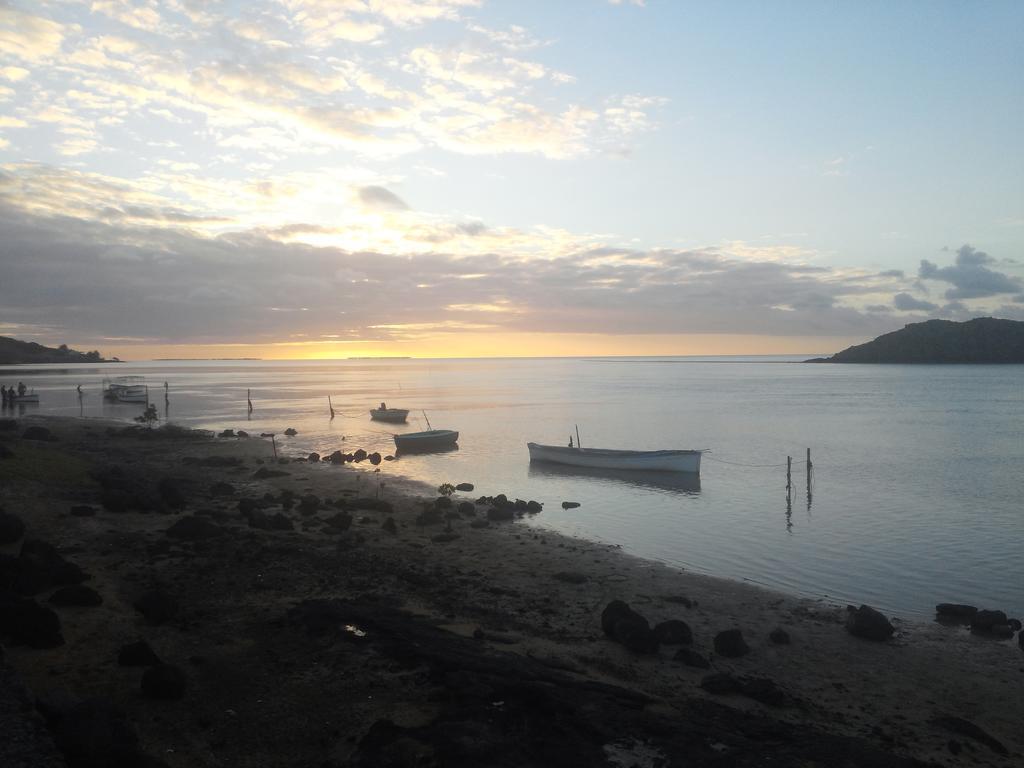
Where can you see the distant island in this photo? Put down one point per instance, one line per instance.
(14, 352)
(981, 340)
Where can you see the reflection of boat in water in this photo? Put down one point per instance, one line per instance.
(603, 458)
(429, 441)
(391, 415)
(682, 482)
(126, 389)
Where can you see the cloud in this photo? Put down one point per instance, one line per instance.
(907, 303)
(28, 37)
(379, 198)
(970, 276)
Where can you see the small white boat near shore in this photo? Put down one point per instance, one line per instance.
(430, 440)
(604, 458)
(390, 415)
(126, 389)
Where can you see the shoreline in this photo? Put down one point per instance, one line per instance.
(479, 598)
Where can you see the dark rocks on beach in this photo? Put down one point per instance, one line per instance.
(868, 623)
(263, 473)
(26, 622)
(779, 636)
(313, 457)
(691, 658)
(389, 525)
(955, 610)
(628, 628)
(40, 567)
(227, 433)
(443, 502)
(137, 654)
(335, 458)
(673, 632)
(431, 516)
(290, 432)
(730, 643)
(342, 521)
(374, 458)
(38, 433)
(501, 513)
(467, 509)
(163, 681)
(359, 455)
(1015, 624)
(1002, 631)
(157, 606)
(12, 528)
(571, 577)
(76, 594)
(242, 433)
(464, 487)
(222, 489)
(309, 504)
(194, 528)
(570, 504)
(279, 522)
(96, 734)
(721, 683)
(83, 510)
(984, 621)
(170, 492)
(534, 506)
(966, 728)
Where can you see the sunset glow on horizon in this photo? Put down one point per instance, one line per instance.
(460, 178)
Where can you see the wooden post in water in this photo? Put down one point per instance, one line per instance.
(248, 398)
(789, 472)
(330, 405)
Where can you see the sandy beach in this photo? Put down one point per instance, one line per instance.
(299, 612)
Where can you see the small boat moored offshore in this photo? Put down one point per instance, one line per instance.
(391, 415)
(603, 458)
(430, 440)
(126, 389)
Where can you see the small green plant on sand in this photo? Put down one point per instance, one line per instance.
(149, 416)
(446, 489)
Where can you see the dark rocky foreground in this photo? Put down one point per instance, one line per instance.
(188, 609)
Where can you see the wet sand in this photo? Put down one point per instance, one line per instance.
(313, 633)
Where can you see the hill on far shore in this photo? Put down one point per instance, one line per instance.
(981, 340)
(14, 352)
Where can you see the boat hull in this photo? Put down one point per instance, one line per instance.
(431, 440)
(598, 458)
(25, 399)
(390, 415)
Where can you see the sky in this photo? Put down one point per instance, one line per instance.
(455, 178)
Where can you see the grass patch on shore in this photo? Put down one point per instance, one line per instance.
(40, 463)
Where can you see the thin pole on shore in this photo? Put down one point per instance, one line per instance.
(578, 443)
(330, 405)
(809, 466)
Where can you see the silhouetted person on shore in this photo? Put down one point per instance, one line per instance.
(383, 407)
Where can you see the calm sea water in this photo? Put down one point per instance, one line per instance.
(918, 476)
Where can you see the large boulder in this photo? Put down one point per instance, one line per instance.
(76, 595)
(627, 627)
(868, 623)
(38, 433)
(26, 622)
(11, 528)
(137, 654)
(42, 567)
(955, 611)
(730, 643)
(984, 621)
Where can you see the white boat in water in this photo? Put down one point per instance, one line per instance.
(391, 415)
(603, 458)
(126, 389)
(430, 440)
